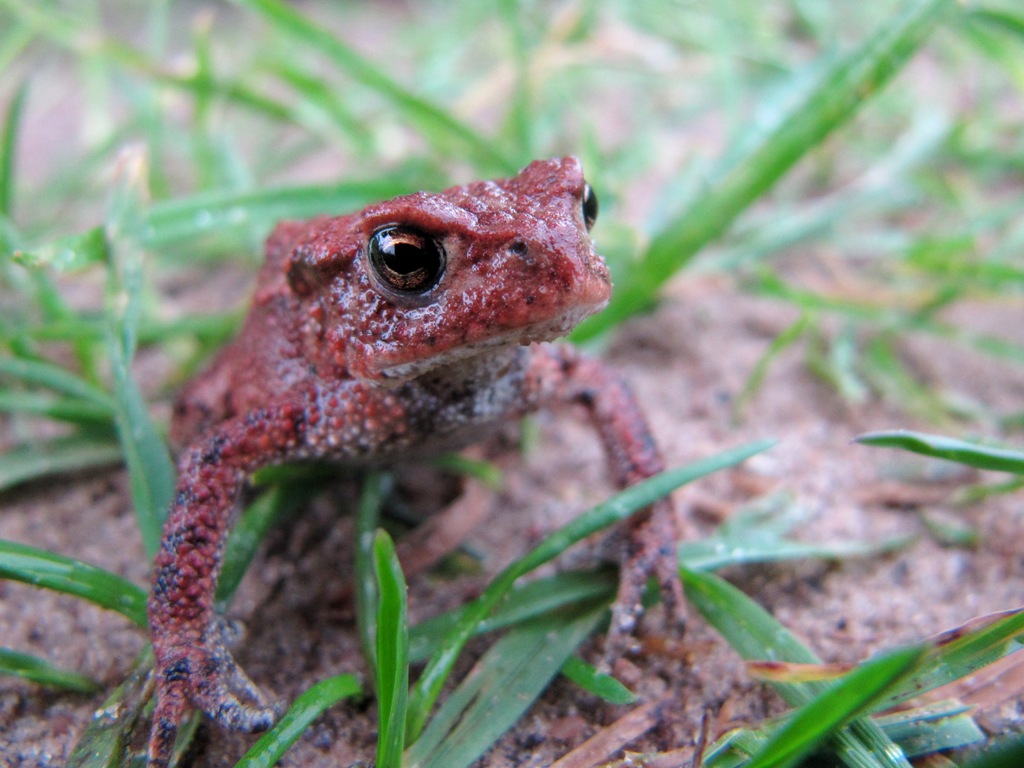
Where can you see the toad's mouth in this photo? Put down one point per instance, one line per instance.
(548, 329)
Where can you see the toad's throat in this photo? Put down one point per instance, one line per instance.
(548, 329)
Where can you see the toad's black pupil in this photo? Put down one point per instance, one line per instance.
(589, 206)
(405, 259)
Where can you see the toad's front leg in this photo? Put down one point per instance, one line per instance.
(193, 667)
(558, 373)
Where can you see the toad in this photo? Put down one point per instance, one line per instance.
(409, 327)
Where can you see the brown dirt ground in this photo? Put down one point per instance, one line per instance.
(687, 363)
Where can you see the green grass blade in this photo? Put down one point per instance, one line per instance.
(1008, 754)
(16, 38)
(46, 374)
(68, 254)
(954, 655)
(949, 448)
(597, 683)
(888, 374)
(63, 28)
(835, 361)
(316, 93)
(918, 732)
(219, 212)
(499, 689)
(975, 494)
(999, 18)
(110, 731)
(73, 410)
(755, 634)
(603, 515)
(758, 534)
(272, 506)
(881, 189)
(963, 651)
(708, 554)
(212, 330)
(522, 603)
(43, 672)
(376, 486)
(92, 45)
(437, 125)
(748, 628)
(520, 119)
(484, 471)
(736, 747)
(880, 314)
(842, 702)
(929, 729)
(779, 344)
(145, 452)
(62, 455)
(392, 655)
(306, 708)
(146, 455)
(8, 150)
(20, 562)
(841, 91)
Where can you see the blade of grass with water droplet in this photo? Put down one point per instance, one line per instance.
(20, 562)
(218, 212)
(68, 254)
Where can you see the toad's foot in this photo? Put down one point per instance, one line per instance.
(650, 550)
(203, 677)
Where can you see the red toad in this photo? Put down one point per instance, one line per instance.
(416, 323)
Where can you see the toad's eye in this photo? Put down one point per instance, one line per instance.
(405, 259)
(589, 206)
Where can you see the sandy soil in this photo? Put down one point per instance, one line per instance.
(687, 363)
